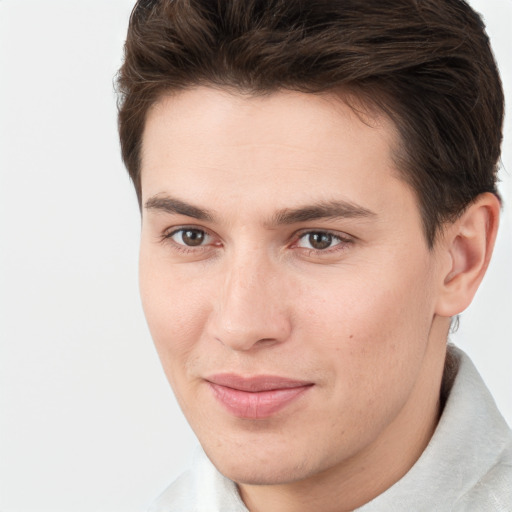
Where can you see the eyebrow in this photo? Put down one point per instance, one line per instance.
(316, 211)
(176, 206)
(322, 210)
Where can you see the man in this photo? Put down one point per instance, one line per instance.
(317, 183)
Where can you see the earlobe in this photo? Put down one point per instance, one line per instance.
(469, 242)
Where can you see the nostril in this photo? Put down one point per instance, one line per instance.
(244, 343)
(267, 341)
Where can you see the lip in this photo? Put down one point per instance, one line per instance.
(255, 397)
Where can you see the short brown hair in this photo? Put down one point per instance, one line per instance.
(427, 64)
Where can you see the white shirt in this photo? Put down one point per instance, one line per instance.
(467, 466)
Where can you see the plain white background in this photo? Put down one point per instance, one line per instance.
(87, 421)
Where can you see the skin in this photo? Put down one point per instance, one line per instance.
(364, 319)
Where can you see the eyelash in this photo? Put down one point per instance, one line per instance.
(185, 249)
(343, 241)
(341, 245)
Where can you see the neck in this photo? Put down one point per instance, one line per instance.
(381, 464)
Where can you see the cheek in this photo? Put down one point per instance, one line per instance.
(373, 329)
(364, 306)
(175, 311)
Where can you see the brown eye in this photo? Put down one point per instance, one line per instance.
(320, 241)
(190, 237)
(193, 237)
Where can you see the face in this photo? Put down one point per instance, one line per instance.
(285, 279)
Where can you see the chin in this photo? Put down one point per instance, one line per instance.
(258, 469)
(265, 476)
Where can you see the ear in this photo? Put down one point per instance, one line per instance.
(468, 243)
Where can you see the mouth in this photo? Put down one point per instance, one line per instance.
(255, 397)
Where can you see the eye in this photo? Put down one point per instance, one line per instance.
(319, 240)
(190, 237)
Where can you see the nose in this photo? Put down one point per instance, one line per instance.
(251, 311)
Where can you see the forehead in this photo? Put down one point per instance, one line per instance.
(203, 142)
(295, 119)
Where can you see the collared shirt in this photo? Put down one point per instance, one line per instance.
(466, 467)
